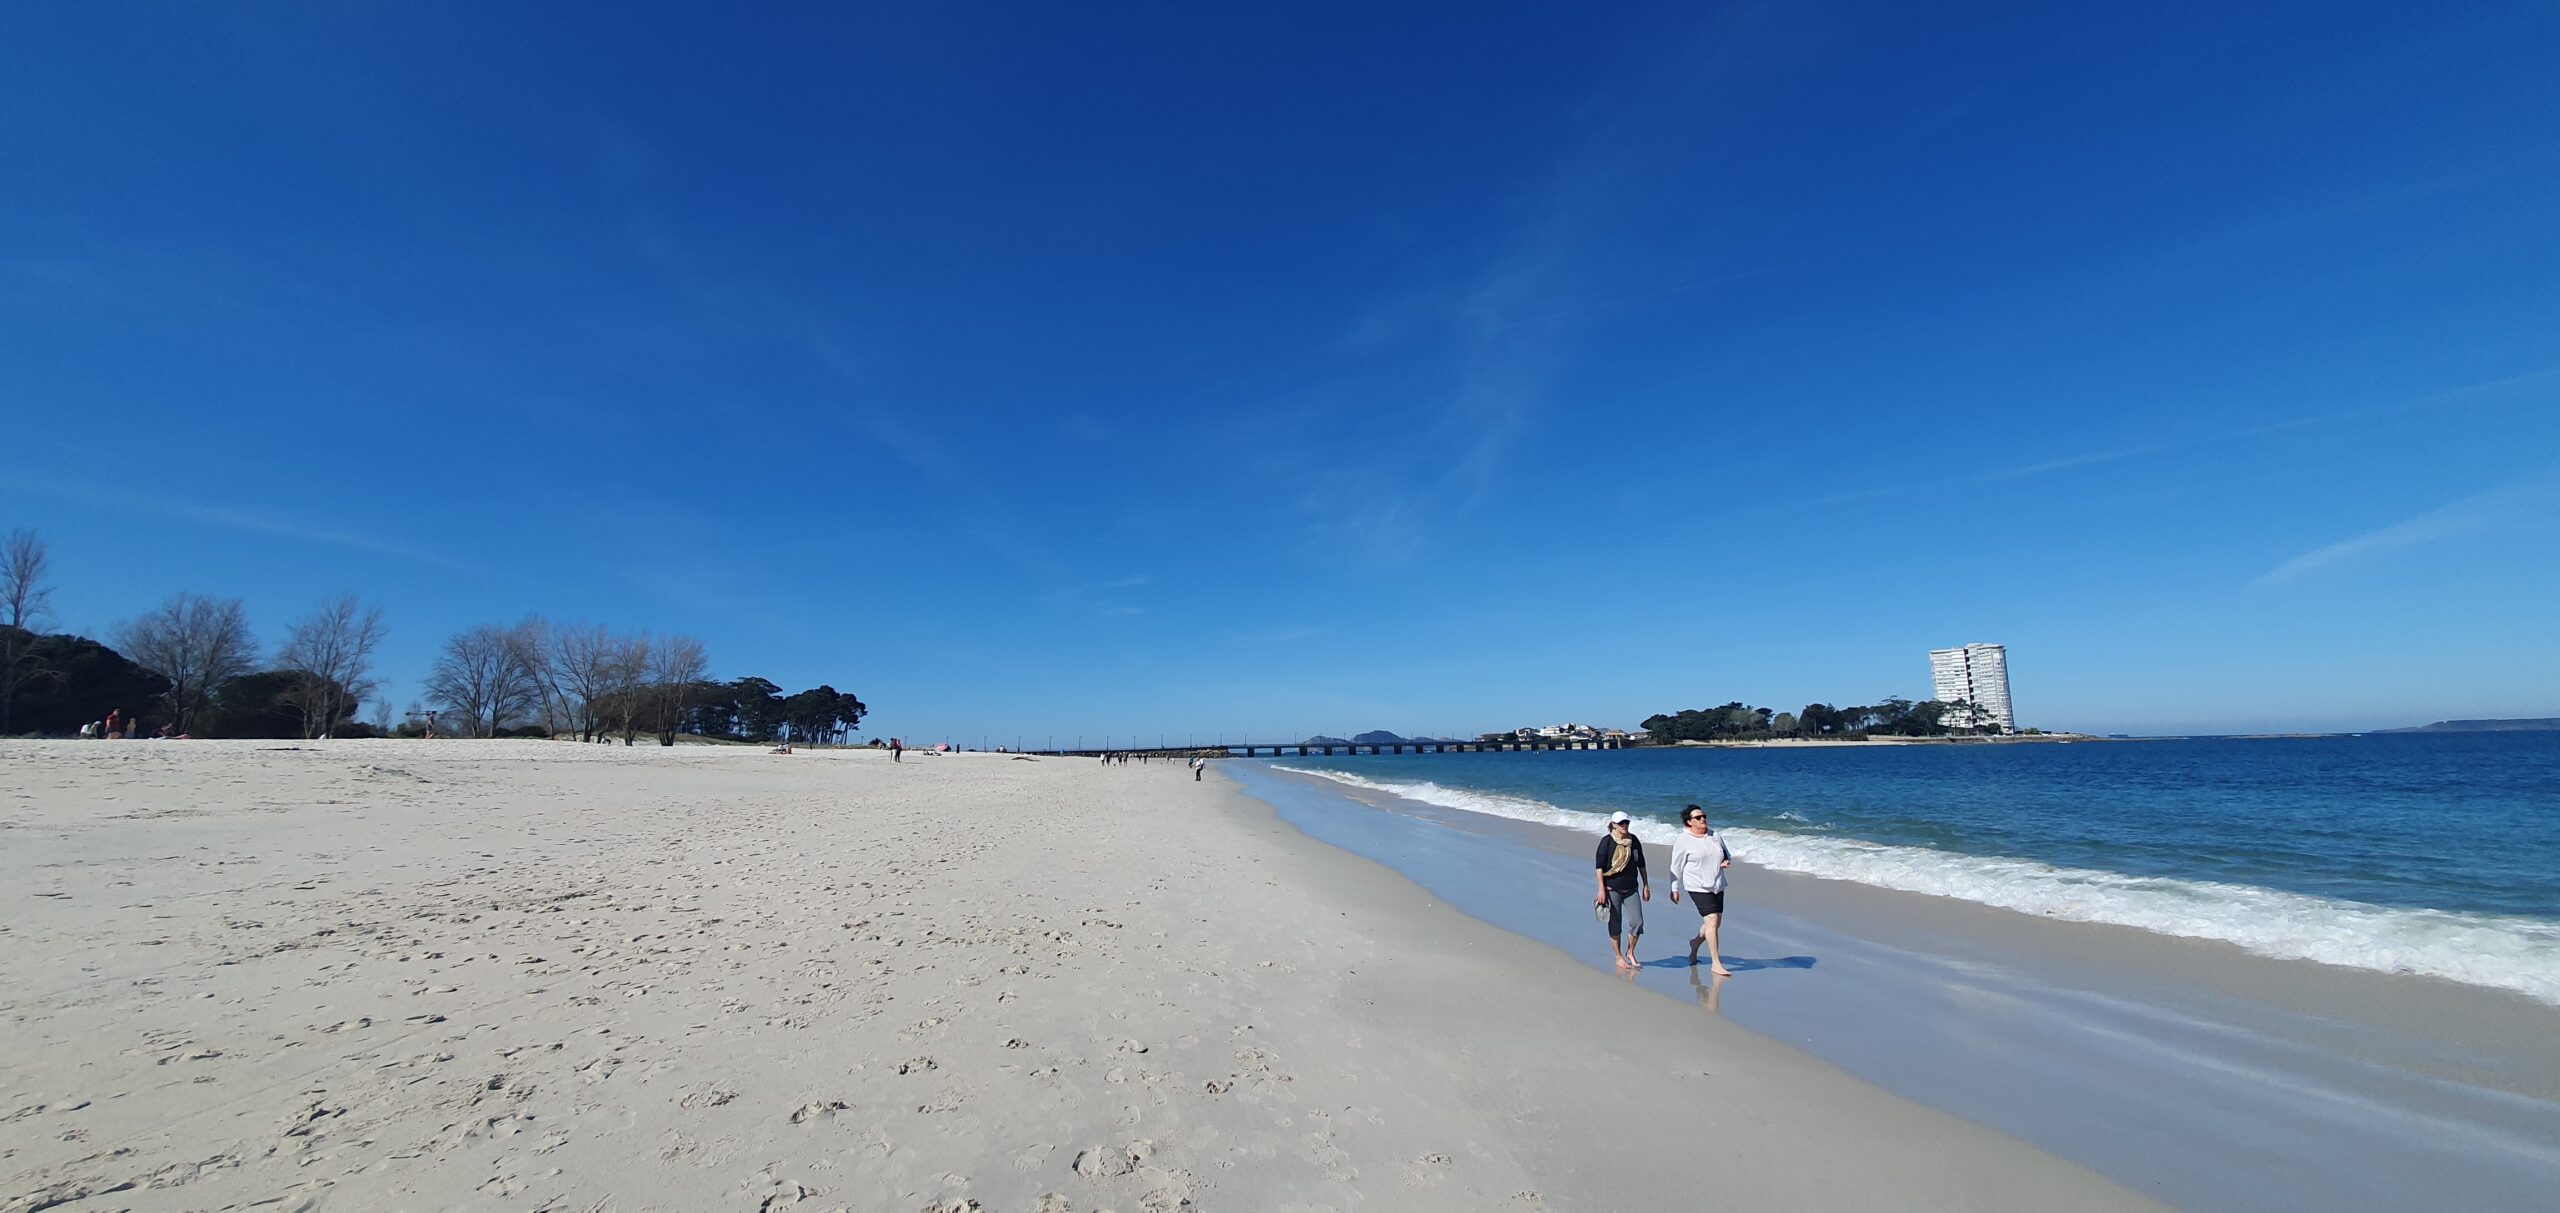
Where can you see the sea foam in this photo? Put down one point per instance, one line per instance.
(2498, 951)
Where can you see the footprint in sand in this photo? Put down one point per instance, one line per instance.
(811, 1111)
(785, 1196)
(1104, 1162)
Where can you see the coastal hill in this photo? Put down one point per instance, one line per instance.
(2526, 724)
(1373, 737)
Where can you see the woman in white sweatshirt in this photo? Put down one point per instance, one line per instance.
(1698, 861)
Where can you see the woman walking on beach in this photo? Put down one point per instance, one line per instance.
(1619, 868)
(1698, 861)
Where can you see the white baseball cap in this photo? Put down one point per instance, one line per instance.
(1616, 818)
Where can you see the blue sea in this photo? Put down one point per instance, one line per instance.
(2436, 854)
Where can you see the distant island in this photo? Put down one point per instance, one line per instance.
(2526, 724)
(1378, 737)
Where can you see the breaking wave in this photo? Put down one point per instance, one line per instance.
(2497, 951)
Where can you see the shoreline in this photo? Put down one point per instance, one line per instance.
(1841, 743)
(2154, 1058)
(492, 974)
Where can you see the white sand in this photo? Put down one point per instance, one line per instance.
(539, 975)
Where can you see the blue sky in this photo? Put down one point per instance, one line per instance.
(1138, 370)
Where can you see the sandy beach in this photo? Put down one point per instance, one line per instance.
(540, 975)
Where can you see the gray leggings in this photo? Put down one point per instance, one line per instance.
(1627, 907)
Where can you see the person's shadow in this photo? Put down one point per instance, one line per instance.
(1739, 964)
(1744, 964)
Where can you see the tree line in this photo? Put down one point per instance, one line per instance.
(1894, 717)
(585, 679)
(192, 667)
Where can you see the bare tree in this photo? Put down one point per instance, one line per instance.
(482, 678)
(581, 668)
(330, 656)
(677, 665)
(195, 642)
(24, 603)
(531, 639)
(627, 675)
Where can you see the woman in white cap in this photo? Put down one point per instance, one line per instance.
(1618, 869)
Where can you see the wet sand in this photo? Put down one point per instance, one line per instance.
(2213, 1078)
(527, 975)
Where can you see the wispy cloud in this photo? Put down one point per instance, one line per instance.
(2470, 393)
(1091, 588)
(1637, 300)
(723, 285)
(267, 524)
(1492, 340)
(250, 521)
(1270, 636)
(1480, 344)
(1099, 596)
(2533, 501)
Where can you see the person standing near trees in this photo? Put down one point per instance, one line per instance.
(1619, 868)
(1698, 861)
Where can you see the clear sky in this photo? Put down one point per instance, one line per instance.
(1093, 370)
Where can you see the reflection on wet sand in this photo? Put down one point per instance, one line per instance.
(1708, 987)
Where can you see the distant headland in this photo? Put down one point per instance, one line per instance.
(2522, 724)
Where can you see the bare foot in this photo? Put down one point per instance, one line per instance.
(1721, 971)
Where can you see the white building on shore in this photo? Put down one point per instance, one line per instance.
(1977, 674)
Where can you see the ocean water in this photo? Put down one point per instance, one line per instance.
(2412, 853)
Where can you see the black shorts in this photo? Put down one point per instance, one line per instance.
(1706, 903)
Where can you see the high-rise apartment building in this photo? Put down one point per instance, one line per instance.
(1977, 674)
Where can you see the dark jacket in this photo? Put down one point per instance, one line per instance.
(1626, 879)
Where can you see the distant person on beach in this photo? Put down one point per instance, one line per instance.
(114, 729)
(897, 750)
(1698, 861)
(1619, 866)
(1198, 765)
